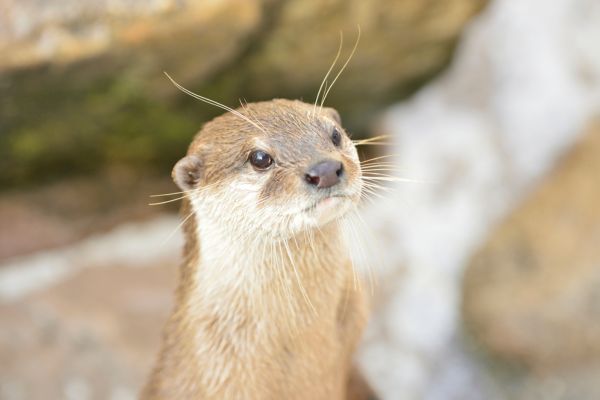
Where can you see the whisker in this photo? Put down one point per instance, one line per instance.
(370, 272)
(323, 82)
(384, 159)
(355, 281)
(384, 175)
(391, 179)
(380, 172)
(377, 167)
(387, 144)
(281, 272)
(374, 141)
(375, 189)
(186, 193)
(371, 192)
(343, 67)
(388, 164)
(302, 290)
(168, 201)
(370, 160)
(386, 189)
(380, 169)
(212, 102)
(311, 238)
(357, 239)
(176, 229)
(391, 167)
(250, 114)
(367, 198)
(168, 194)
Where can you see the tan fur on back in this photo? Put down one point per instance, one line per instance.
(256, 317)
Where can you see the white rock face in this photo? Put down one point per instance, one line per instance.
(133, 244)
(524, 82)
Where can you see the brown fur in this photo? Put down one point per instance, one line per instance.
(256, 336)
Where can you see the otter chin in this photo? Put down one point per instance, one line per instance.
(268, 305)
(329, 208)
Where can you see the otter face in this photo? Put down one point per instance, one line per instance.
(282, 169)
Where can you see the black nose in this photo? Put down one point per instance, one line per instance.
(325, 174)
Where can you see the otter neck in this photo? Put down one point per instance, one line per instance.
(262, 275)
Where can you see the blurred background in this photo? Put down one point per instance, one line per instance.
(488, 264)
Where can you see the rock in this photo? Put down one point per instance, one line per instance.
(81, 83)
(94, 336)
(64, 212)
(531, 294)
(471, 145)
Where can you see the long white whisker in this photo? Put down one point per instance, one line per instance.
(250, 114)
(168, 194)
(186, 193)
(371, 160)
(390, 179)
(213, 102)
(176, 229)
(168, 201)
(346, 231)
(375, 167)
(372, 193)
(329, 71)
(342, 69)
(367, 263)
(374, 144)
(372, 139)
(281, 272)
(302, 290)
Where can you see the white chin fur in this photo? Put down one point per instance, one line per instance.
(327, 210)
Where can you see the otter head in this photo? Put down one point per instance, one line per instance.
(272, 168)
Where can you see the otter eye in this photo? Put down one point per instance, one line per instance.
(336, 137)
(260, 159)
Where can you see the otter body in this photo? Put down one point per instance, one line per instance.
(268, 305)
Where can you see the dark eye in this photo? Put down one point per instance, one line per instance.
(336, 137)
(260, 159)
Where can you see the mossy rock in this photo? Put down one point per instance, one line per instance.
(73, 115)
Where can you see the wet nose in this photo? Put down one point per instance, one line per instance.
(325, 174)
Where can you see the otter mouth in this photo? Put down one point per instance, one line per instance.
(326, 202)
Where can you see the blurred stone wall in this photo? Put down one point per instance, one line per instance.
(522, 89)
(82, 86)
(531, 295)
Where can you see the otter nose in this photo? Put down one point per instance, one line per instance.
(325, 174)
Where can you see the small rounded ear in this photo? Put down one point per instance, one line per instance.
(332, 113)
(187, 172)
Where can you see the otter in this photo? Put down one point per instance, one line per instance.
(268, 305)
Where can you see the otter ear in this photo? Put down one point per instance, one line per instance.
(187, 172)
(332, 113)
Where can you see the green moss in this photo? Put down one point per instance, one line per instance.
(122, 111)
(53, 125)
